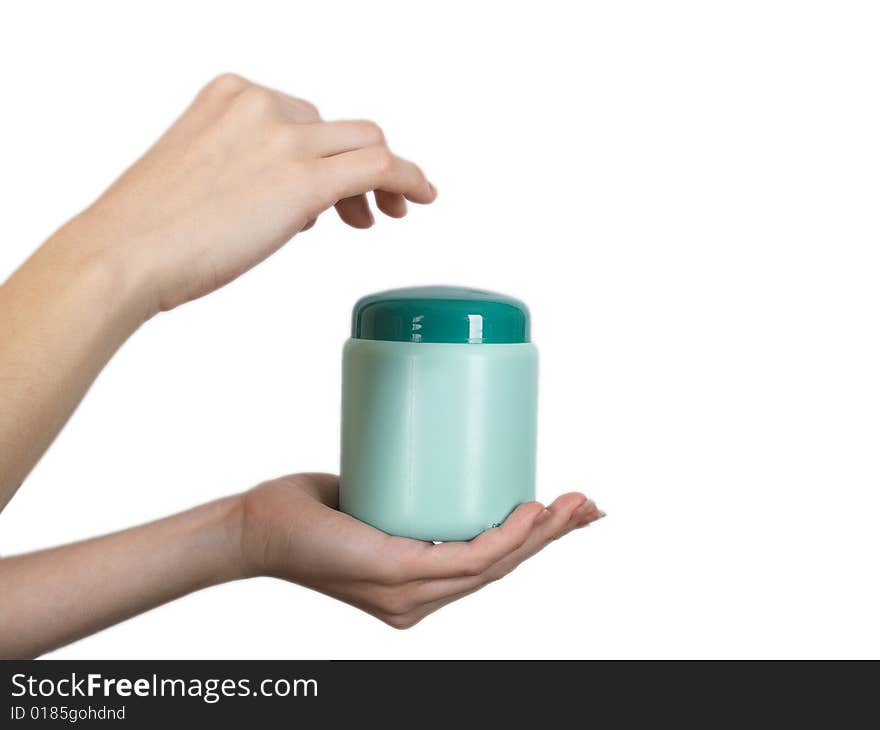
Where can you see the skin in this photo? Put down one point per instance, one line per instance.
(242, 171)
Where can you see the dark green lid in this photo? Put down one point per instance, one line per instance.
(440, 314)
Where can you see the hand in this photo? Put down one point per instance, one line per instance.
(238, 174)
(291, 529)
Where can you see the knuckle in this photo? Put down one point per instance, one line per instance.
(421, 174)
(475, 567)
(309, 108)
(383, 158)
(318, 197)
(396, 603)
(255, 100)
(287, 137)
(372, 132)
(224, 84)
(495, 574)
(400, 622)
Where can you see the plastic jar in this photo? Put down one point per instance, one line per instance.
(439, 400)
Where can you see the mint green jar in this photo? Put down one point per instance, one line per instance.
(439, 396)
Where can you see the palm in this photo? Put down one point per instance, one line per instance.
(293, 530)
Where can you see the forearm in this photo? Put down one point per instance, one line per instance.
(52, 597)
(62, 316)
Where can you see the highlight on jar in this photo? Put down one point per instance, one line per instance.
(439, 407)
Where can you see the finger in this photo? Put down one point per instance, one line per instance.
(557, 520)
(393, 204)
(453, 559)
(334, 138)
(585, 514)
(549, 526)
(371, 168)
(308, 225)
(565, 514)
(355, 211)
(561, 517)
(421, 598)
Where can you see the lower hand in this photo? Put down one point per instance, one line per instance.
(291, 529)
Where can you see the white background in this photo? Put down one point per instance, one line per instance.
(686, 195)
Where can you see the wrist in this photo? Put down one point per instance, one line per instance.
(221, 539)
(206, 544)
(92, 253)
(250, 530)
(236, 559)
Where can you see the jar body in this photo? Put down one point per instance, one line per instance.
(438, 439)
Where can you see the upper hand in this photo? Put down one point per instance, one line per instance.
(242, 170)
(291, 528)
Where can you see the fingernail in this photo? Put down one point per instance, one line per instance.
(585, 509)
(586, 506)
